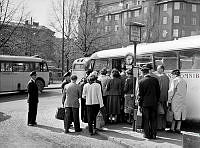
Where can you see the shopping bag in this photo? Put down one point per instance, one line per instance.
(60, 113)
(99, 120)
(161, 110)
(169, 116)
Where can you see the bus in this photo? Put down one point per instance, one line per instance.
(80, 66)
(183, 54)
(15, 70)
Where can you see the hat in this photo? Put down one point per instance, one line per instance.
(145, 69)
(33, 73)
(67, 74)
(176, 72)
(148, 65)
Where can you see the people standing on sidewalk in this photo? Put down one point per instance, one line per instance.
(149, 94)
(94, 101)
(71, 95)
(114, 91)
(66, 80)
(103, 78)
(129, 89)
(32, 99)
(177, 100)
(83, 105)
(164, 87)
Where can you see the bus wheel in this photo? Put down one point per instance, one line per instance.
(40, 85)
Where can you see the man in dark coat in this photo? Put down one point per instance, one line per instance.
(149, 94)
(32, 99)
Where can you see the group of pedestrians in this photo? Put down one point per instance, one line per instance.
(156, 97)
(115, 94)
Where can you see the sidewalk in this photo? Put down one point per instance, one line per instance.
(123, 134)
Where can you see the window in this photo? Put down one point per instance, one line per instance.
(175, 32)
(129, 14)
(165, 7)
(183, 32)
(116, 27)
(106, 28)
(116, 17)
(183, 6)
(126, 6)
(164, 34)
(145, 10)
(194, 8)
(177, 6)
(176, 19)
(106, 18)
(184, 20)
(98, 20)
(164, 20)
(194, 21)
(125, 15)
(137, 13)
(109, 17)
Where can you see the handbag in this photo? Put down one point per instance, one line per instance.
(169, 116)
(60, 113)
(161, 110)
(99, 120)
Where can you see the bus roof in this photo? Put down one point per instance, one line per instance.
(81, 60)
(192, 42)
(20, 58)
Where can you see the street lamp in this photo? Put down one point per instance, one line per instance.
(135, 37)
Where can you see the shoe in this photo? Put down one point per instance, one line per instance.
(79, 130)
(30, 124)
(35, 123)
(145, 136)
(92, 134)
(178, 131)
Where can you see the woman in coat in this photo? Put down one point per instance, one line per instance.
(177, 100)
(114, 91)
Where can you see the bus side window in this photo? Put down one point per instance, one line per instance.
(37, 66)
(196, 62)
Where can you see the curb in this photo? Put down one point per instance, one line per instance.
(113, 139)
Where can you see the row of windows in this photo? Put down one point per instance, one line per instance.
(116, 17)
(179, 6)
(176, 20)
(22, 67)
(177, 33)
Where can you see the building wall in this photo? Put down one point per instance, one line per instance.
(153, 14)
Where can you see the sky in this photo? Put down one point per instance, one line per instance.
(39, 10)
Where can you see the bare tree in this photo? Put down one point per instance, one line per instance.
(90, 35)
(12, 14)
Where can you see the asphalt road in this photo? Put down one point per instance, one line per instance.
(49, 133)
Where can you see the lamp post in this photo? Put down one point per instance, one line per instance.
(135, 37)
(63, 36)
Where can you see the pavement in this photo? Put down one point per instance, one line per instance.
(123, 134)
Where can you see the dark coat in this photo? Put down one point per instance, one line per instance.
(114, 87)
(32, 92)
(149, 91)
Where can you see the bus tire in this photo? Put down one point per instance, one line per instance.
(40, 84)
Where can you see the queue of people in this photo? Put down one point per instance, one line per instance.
(116, 94)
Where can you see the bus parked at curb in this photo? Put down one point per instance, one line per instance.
(15, 70)
(183, 54)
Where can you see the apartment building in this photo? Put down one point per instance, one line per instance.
(164, 19)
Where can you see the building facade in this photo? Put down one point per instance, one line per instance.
(163, 19)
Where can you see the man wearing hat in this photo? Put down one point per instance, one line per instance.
(177, 100)
(66, 79)
(149, 93)
(32, 99)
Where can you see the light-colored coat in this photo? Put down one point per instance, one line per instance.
(177, 97)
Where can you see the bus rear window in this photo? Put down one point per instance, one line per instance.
(79, 67)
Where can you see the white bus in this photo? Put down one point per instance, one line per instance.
(15, 70)
(80, 66)
(183, 54)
